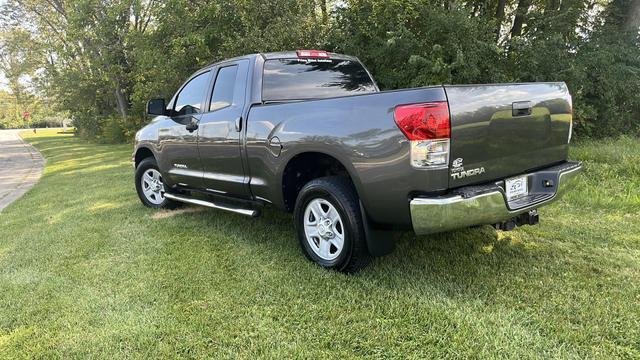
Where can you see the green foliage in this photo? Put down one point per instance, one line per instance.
(106, 130)
(19, 60)
(103, 59)
(87, 126)
(112, 131)
(602, 71)
(412, 43)
(606, 100)
(12, 108)
(211, 32)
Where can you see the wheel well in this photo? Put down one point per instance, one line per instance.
(305, 167)
(142, 154)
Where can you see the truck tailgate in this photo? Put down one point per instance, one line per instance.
(501, 130)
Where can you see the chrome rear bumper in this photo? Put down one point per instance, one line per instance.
(487, 204)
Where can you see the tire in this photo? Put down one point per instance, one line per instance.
(151, 190)
(329, 224)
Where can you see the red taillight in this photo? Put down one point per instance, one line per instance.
(312, 54)
(424, 121)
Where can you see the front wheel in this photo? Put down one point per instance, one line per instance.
(150, 186)
(329, 224)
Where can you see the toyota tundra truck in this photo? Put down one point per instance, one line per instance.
(309, 132)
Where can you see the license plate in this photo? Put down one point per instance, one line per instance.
(516, 187)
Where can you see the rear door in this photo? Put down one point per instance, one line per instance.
(220, 129)
(501, 130)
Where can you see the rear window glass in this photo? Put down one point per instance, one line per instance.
(303, 79)
(222, 95)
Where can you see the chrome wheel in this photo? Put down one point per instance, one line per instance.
(324, 229)
(152, 186)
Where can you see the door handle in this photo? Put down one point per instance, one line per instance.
(239, 123)
(520, 108)
(192, 126)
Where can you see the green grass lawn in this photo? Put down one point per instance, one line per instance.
(87, 271)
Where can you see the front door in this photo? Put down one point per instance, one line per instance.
(180, 161)
(219, 132)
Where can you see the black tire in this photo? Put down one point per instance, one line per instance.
(145, 165)
(339, 192)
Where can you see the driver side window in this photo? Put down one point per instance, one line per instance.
(189, 100)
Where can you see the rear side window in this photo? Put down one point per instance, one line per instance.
(190, 98)
(303, 79)
(223, 88)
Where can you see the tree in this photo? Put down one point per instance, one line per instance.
(625, 15)
(19, 59)
(499, 17)
(519, 18)
(102, 59)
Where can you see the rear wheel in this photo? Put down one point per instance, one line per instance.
(150, 186)
(329, 224)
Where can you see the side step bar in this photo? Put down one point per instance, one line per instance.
(235, 209)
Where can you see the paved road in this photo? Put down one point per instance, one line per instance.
(20, 167)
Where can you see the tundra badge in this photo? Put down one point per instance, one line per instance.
(458, 171)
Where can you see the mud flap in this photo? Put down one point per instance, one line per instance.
(379, 242)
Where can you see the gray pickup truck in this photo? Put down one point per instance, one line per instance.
(309, 132)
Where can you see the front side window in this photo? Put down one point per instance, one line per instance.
(190, 98)
(301, 79)
(223, 88)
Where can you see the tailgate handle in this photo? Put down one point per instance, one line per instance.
(520, 108)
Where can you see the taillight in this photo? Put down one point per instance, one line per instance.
(424, 121)
(312, 54)
(428, 128)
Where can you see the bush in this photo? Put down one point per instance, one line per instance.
(107, 130)
(111, 131)
(46, 123)
(87, 126)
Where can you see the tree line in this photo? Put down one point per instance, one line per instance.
(98, 61)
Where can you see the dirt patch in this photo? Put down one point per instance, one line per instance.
(164, 214)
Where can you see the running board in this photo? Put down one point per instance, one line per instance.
(237, 210)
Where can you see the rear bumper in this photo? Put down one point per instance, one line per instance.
(487, 204)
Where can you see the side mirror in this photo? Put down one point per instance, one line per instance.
(156, 107)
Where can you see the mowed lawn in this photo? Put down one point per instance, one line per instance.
(87, 271)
